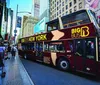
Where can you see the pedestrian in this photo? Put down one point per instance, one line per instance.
(9, 49)
(2, 51)
(13, 51)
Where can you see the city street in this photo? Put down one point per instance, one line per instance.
(46, 75)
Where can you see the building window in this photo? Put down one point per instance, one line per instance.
(75, 8)
(63, 9)
(57, 8)
(59, 11)
(53, 2)
(55, 15)
(70, 4)
(70, 10)
(66, 6)
(80, 5)
(60, 6)
(66, 12)
(74, 1)
(57, 2)
(62, 3)
(63, 14)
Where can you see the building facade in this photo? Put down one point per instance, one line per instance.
(28, 26)
(59, 8)
(22, 29)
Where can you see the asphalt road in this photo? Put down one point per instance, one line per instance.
(46, 75)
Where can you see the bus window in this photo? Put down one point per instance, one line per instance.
(60, 48)
(79, 48)
(39, 47)
(56, 47)
(51, 47)
(45, 47)
(54, 25)
(32, 46)
(71, 45)
(75, 19)
(23, 47)
(93, 18)
(90, 48)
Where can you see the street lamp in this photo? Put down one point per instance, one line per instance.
(15, 31)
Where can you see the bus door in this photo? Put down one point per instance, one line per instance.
(90, 58)
(79, 54)
(39, 51)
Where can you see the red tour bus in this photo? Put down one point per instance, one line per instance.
(71, 42)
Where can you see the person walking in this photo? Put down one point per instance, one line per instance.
(9, 49)
(13, 51)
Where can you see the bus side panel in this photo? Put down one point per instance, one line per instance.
(90, 66)
(31, 55)
(70, 54)
(98, 69)
(47, 58)
(20, 52)
(71, 60)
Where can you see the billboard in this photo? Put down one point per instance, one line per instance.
(41, 26)
(93, 5)
(19, 19)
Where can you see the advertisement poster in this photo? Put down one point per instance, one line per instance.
(94, 5)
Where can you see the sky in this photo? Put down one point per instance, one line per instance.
(25, 5)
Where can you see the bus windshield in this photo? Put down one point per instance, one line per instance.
(93, 18)
(76, 18)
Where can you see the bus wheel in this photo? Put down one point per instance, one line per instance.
(25, 56)
(63, 64)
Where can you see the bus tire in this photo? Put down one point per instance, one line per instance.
(63, 64)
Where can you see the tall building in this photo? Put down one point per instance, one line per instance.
(59, 8)
(9, 24)
(2, 19)
(36, 8)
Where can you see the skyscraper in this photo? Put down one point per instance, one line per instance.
(36, 8)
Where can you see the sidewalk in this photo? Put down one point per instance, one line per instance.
(15, 73)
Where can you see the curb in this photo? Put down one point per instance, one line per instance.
(26, 73)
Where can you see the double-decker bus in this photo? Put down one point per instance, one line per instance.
(71, 42)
